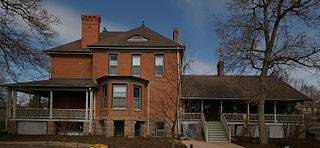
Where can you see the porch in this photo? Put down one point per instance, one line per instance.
(40, 107)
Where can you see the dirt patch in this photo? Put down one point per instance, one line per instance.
(111, 142)
(276, 143)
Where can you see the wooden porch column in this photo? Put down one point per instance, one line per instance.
(221, 107)
(248, 108)
(275, 111)
(51, 103)
(14, 105)
(94, 106)
(9, 103)
(91, 111)
(202, 106)
(87, 105)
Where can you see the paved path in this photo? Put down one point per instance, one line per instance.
(202, 144)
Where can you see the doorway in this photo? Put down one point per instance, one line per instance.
(212, 110)
(119, 128)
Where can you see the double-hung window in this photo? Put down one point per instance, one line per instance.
(104, 97)
(137, 98)
(119, 96)
(136, 62)
(159, 65)
(113, 64)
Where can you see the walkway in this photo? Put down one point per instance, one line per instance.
(202, 144)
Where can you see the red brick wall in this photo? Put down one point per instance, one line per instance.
(71, 66)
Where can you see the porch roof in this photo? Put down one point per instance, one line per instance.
(53, 83)
(236, 87)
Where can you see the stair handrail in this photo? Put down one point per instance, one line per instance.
(205, 127)
(226, 126)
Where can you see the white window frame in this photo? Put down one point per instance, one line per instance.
(158, 64)
(114, 96)
(136, 64)
(113, 64)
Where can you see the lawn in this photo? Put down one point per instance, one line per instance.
(277, 143)
(111, 142)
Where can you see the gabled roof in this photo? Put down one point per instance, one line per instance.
(120, 39)
(154, 39)
(75, 46)
(236, 87)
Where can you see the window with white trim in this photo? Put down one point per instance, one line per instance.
(119, 96)
(113, 64)
(137, 97)
(104, 97)
(136, 62)
(159, 65)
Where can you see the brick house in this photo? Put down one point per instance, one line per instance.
(125, 84)
(109, 83)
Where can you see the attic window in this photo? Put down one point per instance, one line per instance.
(137, 38)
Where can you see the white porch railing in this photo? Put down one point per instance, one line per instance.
(269, 118)
(35, 113)
(191, 116)
(205, 128)
(226, 126)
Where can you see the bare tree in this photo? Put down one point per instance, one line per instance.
(270, 36)
(169, 105)
(25, 29)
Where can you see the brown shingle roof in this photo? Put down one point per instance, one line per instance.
(154, 39)
(120, 39)
(236, 87)
(76, 45)
(62, 83)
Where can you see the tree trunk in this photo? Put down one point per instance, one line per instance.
(263, 135)
(172, 137)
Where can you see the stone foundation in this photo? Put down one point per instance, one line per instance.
(51, 128)
(12, 127)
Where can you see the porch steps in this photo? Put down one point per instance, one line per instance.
(216, 132)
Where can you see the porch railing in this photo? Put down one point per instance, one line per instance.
(269, 118)
(191, 116)
(226, 126)
(205, 128)
(35, 113)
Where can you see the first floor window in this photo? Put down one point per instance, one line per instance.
(104, 97)
(137, 101)
(119, 96)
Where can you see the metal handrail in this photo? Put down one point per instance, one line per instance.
(226, 126)
(205, 128)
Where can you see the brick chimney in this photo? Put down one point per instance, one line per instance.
(175, 35)
(90, 29)
(220, 67)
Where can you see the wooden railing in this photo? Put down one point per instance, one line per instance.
(205, 128)
(269, 118)
(35, 113)
(226, 126)
(191, 116)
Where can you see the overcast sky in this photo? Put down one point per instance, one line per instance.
(194, 18)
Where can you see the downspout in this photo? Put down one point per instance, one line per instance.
(179, 91)
(148, 110)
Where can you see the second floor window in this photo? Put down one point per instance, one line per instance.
(119, 96)
(136, 60)
(113, 64)
(159, 65)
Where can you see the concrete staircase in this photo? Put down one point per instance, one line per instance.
(216, 132)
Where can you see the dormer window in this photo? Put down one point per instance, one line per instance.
(137, 38)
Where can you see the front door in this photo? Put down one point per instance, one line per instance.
(212, 110)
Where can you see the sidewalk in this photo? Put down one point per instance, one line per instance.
(202, 144)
